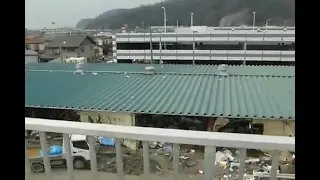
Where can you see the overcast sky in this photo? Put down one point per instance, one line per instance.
(41, 13)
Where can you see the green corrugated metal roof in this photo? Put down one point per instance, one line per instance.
(171, 93)
(166, 68)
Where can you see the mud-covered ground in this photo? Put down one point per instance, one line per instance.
(61, 174)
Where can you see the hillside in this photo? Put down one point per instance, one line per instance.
(206, 12)
(83, 23)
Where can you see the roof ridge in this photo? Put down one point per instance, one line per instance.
(162, 73)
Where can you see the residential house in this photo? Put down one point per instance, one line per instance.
(31, 56)
(104, 44)
(35, 42)
(72, 46)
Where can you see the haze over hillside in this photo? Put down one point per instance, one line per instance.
(206, 12)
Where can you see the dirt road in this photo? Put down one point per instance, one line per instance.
(86, 175)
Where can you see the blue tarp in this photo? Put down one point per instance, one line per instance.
(54, 150)
(107, 141)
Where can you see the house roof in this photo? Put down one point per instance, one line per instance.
(34, 38)
(33, 41)
(71, 41)
(31, 53)
(33, 35)
(173, 93)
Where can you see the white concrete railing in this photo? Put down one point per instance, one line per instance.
(210, 140)
(219, 36)
(231, 55)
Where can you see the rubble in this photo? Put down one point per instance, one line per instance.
(153, 145)
(191, 161)
(132, 164)
(167, 147)
(184, 157)
(259, 165)
(254, 160)
(221, 156)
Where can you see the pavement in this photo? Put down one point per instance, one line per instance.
(61, 174)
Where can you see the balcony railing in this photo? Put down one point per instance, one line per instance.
(210, 140)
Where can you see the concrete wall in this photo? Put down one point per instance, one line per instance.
(65, 53)
(276, 127)
(68, 54)
(123, 119)
(36, 47)
(231, 55)
(42, 47)
(31, 59)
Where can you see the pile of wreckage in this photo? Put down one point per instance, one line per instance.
(227, 162)
(255, 168)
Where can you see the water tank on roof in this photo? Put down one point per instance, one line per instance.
(80, 68)
(223, 70)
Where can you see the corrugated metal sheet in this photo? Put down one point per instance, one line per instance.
(167, 68)
(171, 94)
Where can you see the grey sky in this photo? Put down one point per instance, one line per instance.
(41, 13)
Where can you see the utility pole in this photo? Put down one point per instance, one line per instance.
(151, 49)
(191, 19)
(253, 20)
(142, 26)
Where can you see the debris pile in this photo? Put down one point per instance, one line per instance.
(191, 161)
(227, 166)
(132, 164)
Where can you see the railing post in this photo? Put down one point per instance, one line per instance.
(68, 155)
(93, 158)
(209, 162)
(146, 161)
(274, 165)
(27, 163)
(120, 175)
(175, 161)
(45, 152)
(243, 154)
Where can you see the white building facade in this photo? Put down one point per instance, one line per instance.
(223, 45)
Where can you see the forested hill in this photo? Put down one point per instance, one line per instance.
(206, 12)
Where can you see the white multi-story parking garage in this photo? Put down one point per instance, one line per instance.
(238, 45)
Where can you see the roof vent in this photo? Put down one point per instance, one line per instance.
(80, 68)
(149, 70)
(223, 70)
